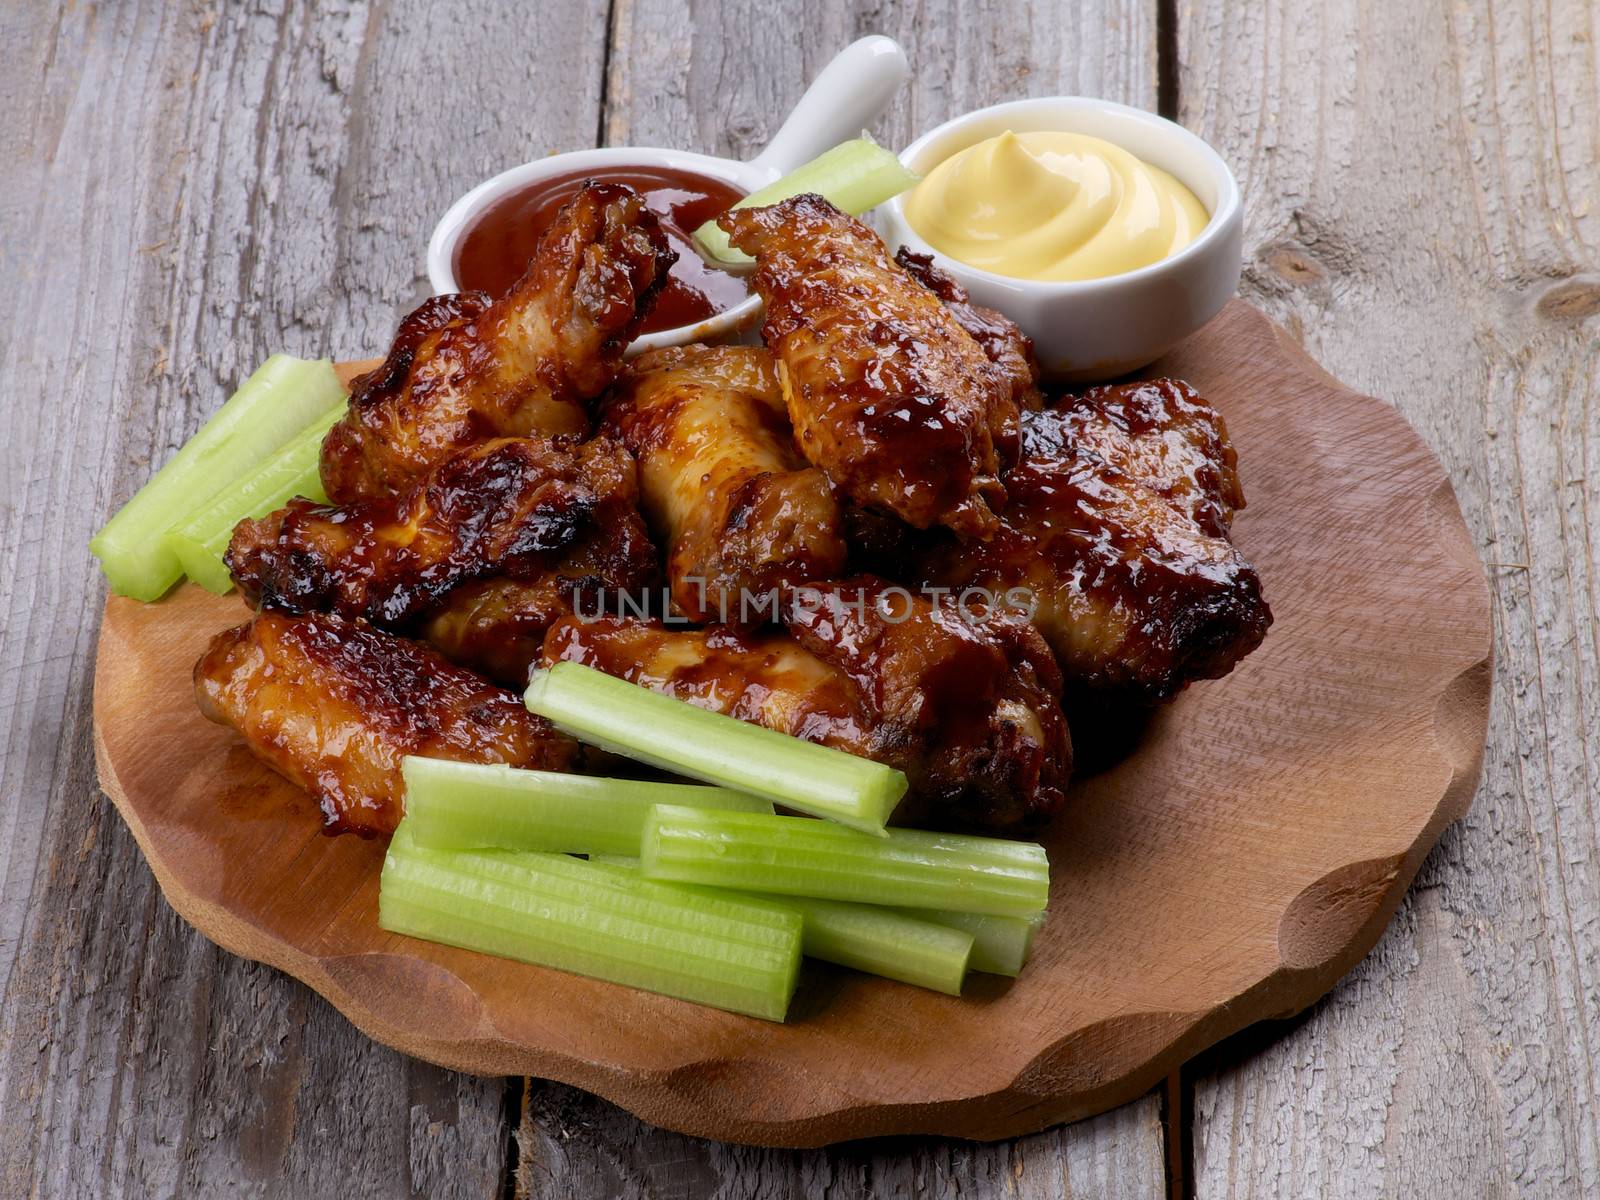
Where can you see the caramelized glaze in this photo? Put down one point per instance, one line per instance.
(1162, 434)
(515, 507)
(741, 513)
(462, 370)
(1134, 594)
(334, 705)
(974, 691)
(968, 711)
(886, 391)
(1006, 345)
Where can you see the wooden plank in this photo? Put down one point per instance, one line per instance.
(721, 81)
(575, 1145)
(1422, 183)
(186, 189)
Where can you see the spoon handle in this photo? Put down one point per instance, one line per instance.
(846, 96)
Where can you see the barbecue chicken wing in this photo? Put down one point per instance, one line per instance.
(886, 391)
(976, 689)
(529, 509)
(967, 709)
(742, 515)
(1162, 434)
(1101, 542)
(764, 677)
(497, 626)
(334, 705)
(1007, 346)
(463, 368)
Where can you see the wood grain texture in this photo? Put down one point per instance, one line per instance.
(576, 1145)
(186, 189)
(196, 185)
(117, 341)
(1424, 211)
(1306, 786)
(719, 78)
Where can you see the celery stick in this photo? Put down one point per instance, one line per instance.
(295, 470)
(884, 942)
(556, 911)
(793, 856)
(464, 805)
(1000, 945)
(272, 406)
(906, 945)
(676, 736)
(854, 176)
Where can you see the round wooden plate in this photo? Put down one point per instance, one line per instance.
(1244, 857)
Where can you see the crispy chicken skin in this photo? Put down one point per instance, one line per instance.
(741, 513)
(522, 508)
(761, 676)
(334, 705)
(1162, 434)
(967, 710)
(975, 691)
(1007, 346)
(463, 368)
(497, 626)
(886, 391)
(1135, 596)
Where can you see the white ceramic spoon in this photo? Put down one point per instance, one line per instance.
(848, 94)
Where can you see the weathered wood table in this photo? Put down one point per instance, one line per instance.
(189, 187)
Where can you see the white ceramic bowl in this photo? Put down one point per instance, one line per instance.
(1099, 328)
(846, 96)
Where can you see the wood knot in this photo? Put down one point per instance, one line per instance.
(1295, 266)
(745, 128)
(1571, 301)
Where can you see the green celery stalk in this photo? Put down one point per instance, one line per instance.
(1000, 945)
(295, 470)
(897, 944)
(672, 734)
(882, 941)
(465, 805)
(793, 856)
(272, 406)
(730, 952)
(854, 176)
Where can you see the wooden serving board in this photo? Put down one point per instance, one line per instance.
(1240, 860)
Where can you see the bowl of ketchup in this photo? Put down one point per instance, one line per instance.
(485, 240)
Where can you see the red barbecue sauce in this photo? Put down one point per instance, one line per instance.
(498, 246)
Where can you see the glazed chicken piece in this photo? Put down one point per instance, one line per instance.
(886, 391)
(1007, 346)
(760, 676)
(975, 688)
(742, 515)
(463, 368)
(334, 705)
(967, 709)
(1162, 434)
(529, 509)
(497, 626)
(1136, 596)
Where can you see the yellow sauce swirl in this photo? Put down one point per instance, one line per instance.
(1053, 206)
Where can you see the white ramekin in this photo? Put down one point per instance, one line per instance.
(848, 95)
(1099, 328)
